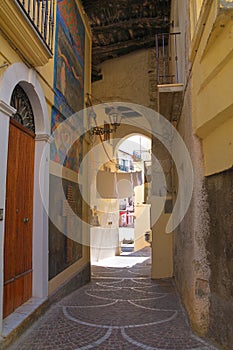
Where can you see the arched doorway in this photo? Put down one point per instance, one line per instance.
(134, 158)
(27, 79)
(19, 204)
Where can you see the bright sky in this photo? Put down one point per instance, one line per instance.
(135, 143)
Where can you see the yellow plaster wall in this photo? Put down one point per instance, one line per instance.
(218, 148)
(195, 9)
(142, 225)
(7, 53)
(162, 249)
(162, 243)
(212, 77)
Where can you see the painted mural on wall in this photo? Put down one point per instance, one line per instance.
(68, 78)
(64, 251)
(70, 156)
(64, 239)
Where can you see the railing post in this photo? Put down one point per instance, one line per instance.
(41, 14)
(168, 56)
(34, 11)
(46, 21)
(29, 7)
(50, 23)
(38, 14)
(42, 18)
(53, 12)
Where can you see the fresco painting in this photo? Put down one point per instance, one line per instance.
(68, 80)
(61, 150)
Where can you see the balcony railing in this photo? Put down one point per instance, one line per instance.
(41, 15)
(167, 67)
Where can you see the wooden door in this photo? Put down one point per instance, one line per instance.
(19, 218)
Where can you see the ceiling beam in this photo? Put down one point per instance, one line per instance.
(101, 53)
(156, 22)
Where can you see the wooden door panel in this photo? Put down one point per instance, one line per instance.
(27, 286)
(19, 219)
(25, 204)
(10, 217)
(18, 291)
(8, 304)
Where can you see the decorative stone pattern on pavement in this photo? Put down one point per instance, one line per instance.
(121, 308)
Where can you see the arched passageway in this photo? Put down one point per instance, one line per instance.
(104, 160)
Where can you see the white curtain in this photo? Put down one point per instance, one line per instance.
(124, 185)
(117, 185)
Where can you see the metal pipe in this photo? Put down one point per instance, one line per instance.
(164, 60)
(157, 56)
(176, 62)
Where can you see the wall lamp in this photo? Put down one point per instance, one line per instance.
(114, 117)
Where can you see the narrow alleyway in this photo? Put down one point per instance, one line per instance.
(121, 308)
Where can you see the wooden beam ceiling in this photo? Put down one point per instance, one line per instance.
(122, 26)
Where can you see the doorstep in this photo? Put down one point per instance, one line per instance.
(15, 323)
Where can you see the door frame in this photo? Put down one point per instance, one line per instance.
(19, 73)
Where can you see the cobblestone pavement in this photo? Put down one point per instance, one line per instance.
(121, 308)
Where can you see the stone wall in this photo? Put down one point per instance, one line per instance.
(220, 256)
(203, 240)
(191, 267)
(130, 78)
(190, 256)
